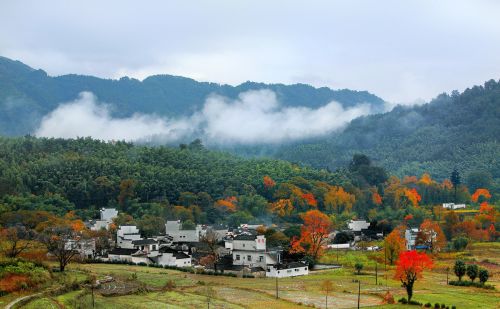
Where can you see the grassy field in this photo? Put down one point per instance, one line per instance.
(161, 288)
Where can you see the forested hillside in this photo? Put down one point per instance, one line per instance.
(26, 95)
(459, 130)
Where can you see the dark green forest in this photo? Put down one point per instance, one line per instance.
(191, 183)
(26, 95)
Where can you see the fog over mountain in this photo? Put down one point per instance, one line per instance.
(255, 117)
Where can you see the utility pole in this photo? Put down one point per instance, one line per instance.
(447, 270)
(359, 291)
(93, 302)
(385, 264)
(277, 285)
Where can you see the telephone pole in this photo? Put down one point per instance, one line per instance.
(359, 291)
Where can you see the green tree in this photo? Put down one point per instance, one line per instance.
(455, 180)
(358, 266)
(483, 275)
(459, 269)
(472, 271)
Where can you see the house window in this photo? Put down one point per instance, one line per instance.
(261, 258)
(243, 245)
(154, 247)
(249, 257)
(237, 257)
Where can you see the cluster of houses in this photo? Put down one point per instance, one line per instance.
(244, 251)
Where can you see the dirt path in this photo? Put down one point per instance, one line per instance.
(15, 301)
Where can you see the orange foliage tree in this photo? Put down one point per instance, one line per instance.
(314, 233)
(413, 196)
(431, 235)
(394, 244)
(480, 192)
(410, 267)
(338, 200)
(486, 215)
(282, 207)
(268, 182)
(447, 184)
(425, 179)
(376, 199)
(229, 203)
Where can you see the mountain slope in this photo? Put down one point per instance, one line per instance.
(27, 94)
(461, 130)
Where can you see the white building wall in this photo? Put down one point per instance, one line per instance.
(291, 272)
(252, 258)
(173, 229)
(108, 214)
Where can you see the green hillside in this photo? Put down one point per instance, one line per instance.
(459, 130)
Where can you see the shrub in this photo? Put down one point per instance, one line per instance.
(474, 284)
(358, 266)
(428, 305)
(483, 275)
(437, 306)
(472, 271)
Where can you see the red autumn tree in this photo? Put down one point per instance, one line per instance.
(376, 199)
(314, 233)
(480, 192)
(394, 244)
(310, 199)
(268, 182)
(410, 267)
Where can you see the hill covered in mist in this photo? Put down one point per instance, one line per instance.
(26, 95)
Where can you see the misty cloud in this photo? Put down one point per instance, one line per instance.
(255, 117)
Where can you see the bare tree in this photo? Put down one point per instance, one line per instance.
(15, 240)
(211, 243)
(62, 242)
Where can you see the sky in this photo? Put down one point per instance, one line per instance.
(402, 51)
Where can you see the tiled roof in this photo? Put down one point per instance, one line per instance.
(122, 251)
(245, 237)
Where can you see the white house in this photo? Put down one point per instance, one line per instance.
(149, 246)
(108, 214)
(250, 250)
(411, 238)
(172, 257)
(125, 235)
(174, 230)
(121, 255)
(106, 218)
(85, 247)
(358, 225)
(453, 206)
(287, 270)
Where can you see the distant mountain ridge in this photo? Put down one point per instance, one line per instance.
(26, 95)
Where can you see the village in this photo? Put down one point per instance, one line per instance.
(241, 251)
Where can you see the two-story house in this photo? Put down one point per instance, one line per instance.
(250, 250)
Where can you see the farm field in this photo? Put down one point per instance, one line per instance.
(148, 287)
